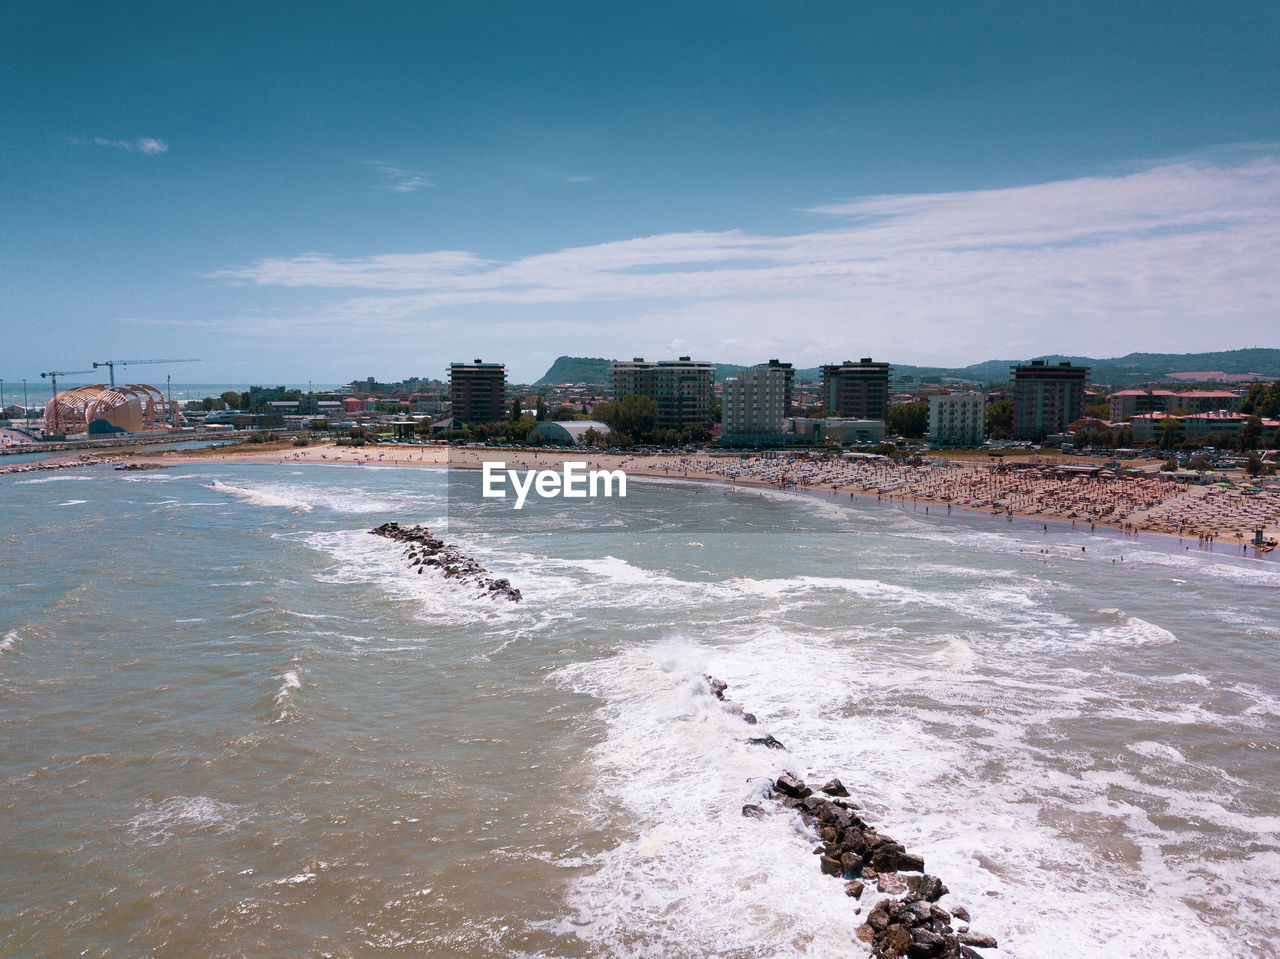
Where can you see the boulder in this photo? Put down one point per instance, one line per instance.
(853, 888)
(879, 918)
(767, 741)
(976, 939)
(895, 941)
(835, 788)
(909, 862)
(752, 811)
(788, 785)
(925, 944)
(961, 913)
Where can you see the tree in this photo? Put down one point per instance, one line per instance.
(1254, 466)
(564, 413)
(515, 410)
(231, 399)
(1255, 399)
(633, 415)
(1271, 409)
(1250, 433)
(519, 430)
(1099, 411)
(1168, 432)
(1170, 465)
(1000, 419)
(909, 419)
(541, 410)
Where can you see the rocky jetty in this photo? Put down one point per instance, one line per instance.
(135, 467)
(426, 550)
(46, 466)
(906, 920)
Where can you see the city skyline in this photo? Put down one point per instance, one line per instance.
(309, 199)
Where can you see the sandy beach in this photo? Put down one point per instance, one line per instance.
(1213, 517)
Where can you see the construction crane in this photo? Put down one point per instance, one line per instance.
(56, 373)
(112, 364)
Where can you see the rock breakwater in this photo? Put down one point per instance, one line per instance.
(46, 466)
(906, 921)
(425, 550)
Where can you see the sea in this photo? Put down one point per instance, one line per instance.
(235, 723)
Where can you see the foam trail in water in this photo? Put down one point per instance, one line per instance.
(183, 815)
(700, 879)
(289, 681)
(10, 639)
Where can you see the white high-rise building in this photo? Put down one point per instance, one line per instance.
(754, 404)
(958, 419)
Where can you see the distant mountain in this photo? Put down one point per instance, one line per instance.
(576, 369)
(1130, 370)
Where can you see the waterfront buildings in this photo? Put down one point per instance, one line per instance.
(478, 392)
(835, 429)
(683, 389)
(857, 390)
(1046, 398)
(755, 402)
(1149, 427)
(1127, 403)
(957, 419)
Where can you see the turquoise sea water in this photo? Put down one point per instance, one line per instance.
(235, 723)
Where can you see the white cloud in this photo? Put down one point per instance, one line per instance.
(400, 180)
(1178, 256)
(151, 146)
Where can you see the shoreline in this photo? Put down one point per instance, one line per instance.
(1131, 524)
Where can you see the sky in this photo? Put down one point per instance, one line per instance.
(329, 191)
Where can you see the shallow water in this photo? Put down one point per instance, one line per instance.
(235, 723)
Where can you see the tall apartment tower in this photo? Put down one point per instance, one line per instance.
(478, 391)
(754, 403)
(683, 389)
(957, 419)
(1046, 398)
(789, 373)
(858, 391)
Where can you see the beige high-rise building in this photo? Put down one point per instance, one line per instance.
(958, 419)
(753, 404)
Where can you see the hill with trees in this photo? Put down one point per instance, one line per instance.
(1130, 370)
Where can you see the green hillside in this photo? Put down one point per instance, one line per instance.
(576, 369)
(1130, 370)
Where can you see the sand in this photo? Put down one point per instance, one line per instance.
(1205, 516)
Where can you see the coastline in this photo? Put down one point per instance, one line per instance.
(677, 468)
(1219, 543)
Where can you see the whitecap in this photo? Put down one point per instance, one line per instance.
(185, 814)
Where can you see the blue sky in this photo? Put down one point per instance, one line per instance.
(328, 191)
